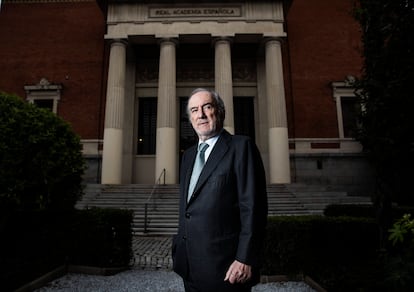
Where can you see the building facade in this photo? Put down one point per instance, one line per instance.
(121, 72)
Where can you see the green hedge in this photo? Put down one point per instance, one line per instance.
(340, 253)
(360, 210)
(101, 237)
(34, 243)
(352, 210)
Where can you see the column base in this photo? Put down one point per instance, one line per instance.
(166, 155)
(112, 156)
(279, 164)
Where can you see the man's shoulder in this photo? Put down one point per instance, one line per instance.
(240, 139)
(234, 138)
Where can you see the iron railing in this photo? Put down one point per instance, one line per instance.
(147, 202)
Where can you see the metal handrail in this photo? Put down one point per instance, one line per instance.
(157, 183)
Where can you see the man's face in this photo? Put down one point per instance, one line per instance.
(203, 115)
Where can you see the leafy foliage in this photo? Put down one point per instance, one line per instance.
(41, 163)
(386, 95)
(402, 230)
(399, 261)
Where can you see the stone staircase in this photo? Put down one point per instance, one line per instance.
(162, 208)
(315, 198)
(282, 202)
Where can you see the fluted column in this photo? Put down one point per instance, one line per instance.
(224, 79)
(166, 150)
(278, 132)
(114, 110)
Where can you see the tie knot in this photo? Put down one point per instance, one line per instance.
(202, 147)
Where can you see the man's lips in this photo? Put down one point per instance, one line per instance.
(202, 123)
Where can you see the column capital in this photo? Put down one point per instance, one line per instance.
(123, 42)
(164, 40)
(268, 40)
(225, 39)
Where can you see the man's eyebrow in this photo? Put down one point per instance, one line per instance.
(203, 105)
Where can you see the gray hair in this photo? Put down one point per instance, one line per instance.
(218, 103)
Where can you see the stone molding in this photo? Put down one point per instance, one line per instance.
(43, 84)
(45, 1)
(44, 90)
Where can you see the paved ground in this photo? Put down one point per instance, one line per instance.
(152, 272)
(152, 252)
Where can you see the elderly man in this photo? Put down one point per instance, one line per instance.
(223, 204)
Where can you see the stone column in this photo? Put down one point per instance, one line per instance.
(129, 117)
(114, 110)
(166, 149)
(224, 80)
(279, 164)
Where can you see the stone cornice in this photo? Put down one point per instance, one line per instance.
(46, 1)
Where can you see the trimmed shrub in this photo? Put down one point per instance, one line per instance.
(41, 163)
(35, 242)
(352, 210)
(367, 211)
(340, 253)
(101, 238)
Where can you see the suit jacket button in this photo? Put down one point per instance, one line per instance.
(187, 215)
(184, 237)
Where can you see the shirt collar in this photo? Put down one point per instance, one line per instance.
(211, 141)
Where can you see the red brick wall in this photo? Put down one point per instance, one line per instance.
(324, 46)
(62, 42)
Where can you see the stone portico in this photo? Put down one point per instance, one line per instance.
(136, 29)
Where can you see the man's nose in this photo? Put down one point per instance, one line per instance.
(201, 113)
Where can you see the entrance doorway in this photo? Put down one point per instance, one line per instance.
(244, 116)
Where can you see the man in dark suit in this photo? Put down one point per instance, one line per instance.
(223, 219)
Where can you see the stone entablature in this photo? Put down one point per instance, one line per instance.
(196, 72)
(216, 19)
(44, 1)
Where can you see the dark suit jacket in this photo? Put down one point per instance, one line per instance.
(226, 217)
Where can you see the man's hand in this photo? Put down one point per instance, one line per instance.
(238, 273)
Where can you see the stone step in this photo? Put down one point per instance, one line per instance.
(162, 207)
